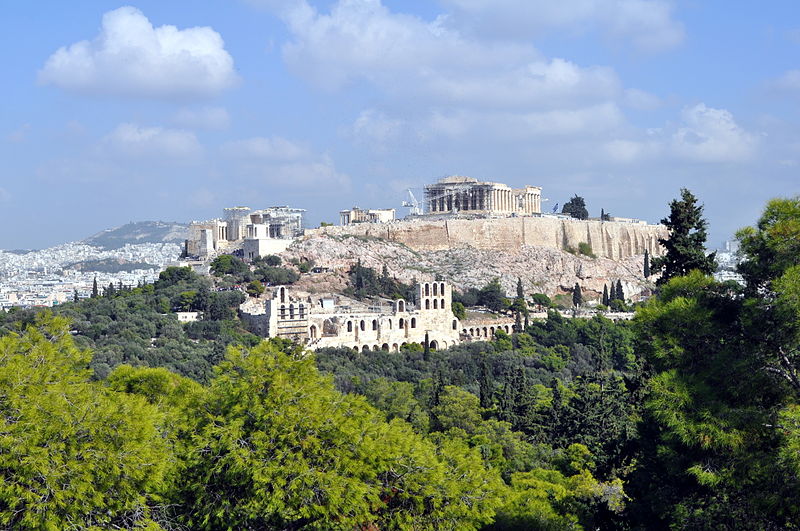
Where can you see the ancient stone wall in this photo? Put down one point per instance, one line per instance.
(612, 240)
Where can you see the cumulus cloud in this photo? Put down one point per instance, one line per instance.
(152, 144)
(704, 134)
(211, 118)
(282, 163)
(712, 135)
(132, 58)
(647, 24)
(409, 57)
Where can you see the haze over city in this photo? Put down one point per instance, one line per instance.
(171, 110)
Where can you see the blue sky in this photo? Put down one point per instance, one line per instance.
(172, 110)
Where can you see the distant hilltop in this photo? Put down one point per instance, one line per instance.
(139, 232)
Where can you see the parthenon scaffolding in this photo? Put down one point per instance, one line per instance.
(458, 194)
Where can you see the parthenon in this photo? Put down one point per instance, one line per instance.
(457, 194)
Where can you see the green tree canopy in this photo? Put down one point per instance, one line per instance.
(685, 247)
(576, 207)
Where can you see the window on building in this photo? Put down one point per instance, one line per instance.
(413, 322)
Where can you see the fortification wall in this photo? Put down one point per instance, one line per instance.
(612, 240)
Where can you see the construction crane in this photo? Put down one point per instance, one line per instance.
(412, 204)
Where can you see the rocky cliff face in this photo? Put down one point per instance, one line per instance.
(543, 269)
(616, 241)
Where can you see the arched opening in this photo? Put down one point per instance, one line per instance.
(374, 324)
(442, 305)
(389, 323)
(433, 345)
(355, 348)
(385, 347)
(427, 289)
(435, 303)
(441, 288)
(312, 332)
(291, 311)
(349, 326)
(506, 327)
(491, 329)
(365, 348)
(375, 348)
(403, 344)
(283, 294)
(283, 312)
(362, 326)
(413, 322)
(395, 347)
(435, 289)
(401, 306)
(302, 310)
(455, 324)
(485, 332)
(402, 323)
(427, 304)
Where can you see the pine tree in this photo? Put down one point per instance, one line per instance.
(685, 247)
(606, 300)
(646, 264)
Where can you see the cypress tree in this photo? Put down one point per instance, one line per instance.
(605, 295)
(646, 263)
(620, 292)
(485, 384)
(95, 292)
(577, 296)
(75, 296)
(520, 291)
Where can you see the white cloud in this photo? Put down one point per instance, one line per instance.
(283, 164)
(132, 58)
(712, 135)
(211, 118)
(152, 144)
(788, 82)
(263, 148)
(647, 24)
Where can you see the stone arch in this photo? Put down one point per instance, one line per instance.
(427, 289)
(283, 311)
(491, 329)
(302, 310)
(435, 289)
(413, 322)
(401, 306)
(441, 288)
(312, 332)
(506, 329)
(385, 347)
(362, 325)
(471, 331)
(403, 344)
(402, 323)
(433, 345)
(355, 348)
(283, 294)
(389, 323)
(395, 347)
(427, 304)
(455, 324)
(485, 332)
(435, 304)
(375, 348)
(365, 348)
(441, 305)
(291, 311)
(374, 324)
(349, 326)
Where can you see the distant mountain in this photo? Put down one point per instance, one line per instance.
(139, 232)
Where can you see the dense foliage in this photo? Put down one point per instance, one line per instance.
(686, 418)
(139, 327)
